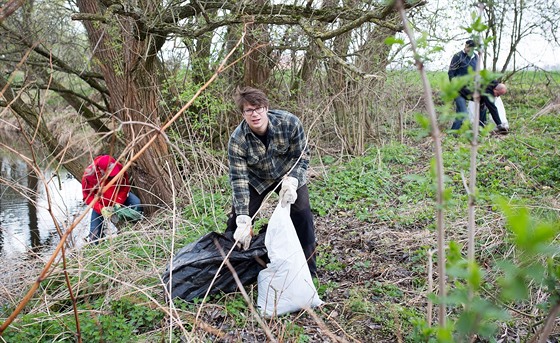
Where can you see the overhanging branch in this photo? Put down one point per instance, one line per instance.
(54, 60)
(165, 22)
(329, 53)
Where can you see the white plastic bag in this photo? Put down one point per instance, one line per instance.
(285, 285)
(501, 111)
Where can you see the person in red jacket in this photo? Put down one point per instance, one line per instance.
(98, 174)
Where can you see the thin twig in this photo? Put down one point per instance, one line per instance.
(471, 229)
(435, 133)
(430, 255)
(173, 231)
(545, 331)
(324, 327)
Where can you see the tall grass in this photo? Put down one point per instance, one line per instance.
(375, 225)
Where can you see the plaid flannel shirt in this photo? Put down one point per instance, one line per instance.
(251, 163)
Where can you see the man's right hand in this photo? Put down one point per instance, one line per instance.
(244, 231)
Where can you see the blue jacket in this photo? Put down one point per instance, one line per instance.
(460, 63)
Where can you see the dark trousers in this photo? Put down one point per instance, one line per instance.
(301, 216)
(461, 106)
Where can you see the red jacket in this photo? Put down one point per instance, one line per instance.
(94, 173)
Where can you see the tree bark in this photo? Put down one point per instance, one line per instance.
(257, 66)
(338, 85)
(9, 8)
(127, 61)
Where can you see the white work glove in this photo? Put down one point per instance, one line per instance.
(288, 192)
(244, 231)
(107, 212)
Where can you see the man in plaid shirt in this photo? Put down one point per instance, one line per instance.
(269, 147)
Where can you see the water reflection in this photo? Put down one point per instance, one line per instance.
(27, 217)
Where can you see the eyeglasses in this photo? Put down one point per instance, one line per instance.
(250, 111)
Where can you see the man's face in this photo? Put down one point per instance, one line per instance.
(257, 118)
(469, 50)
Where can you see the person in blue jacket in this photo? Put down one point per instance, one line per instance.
(459, 66)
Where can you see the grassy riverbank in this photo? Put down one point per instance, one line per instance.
(375, 225)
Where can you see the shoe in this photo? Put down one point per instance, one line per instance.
(502, 129)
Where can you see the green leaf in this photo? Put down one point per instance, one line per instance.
(475, 275)
(447, 194)
(457, 296)
(394, 40)
(514, 288)
(454, 255)
(445, 334)
(423, 121)
(536, 271)
(466, 323)
(479, 25)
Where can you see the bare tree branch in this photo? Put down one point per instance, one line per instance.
(329, 53)
(166, 23)
(10, 7)
(49, 56)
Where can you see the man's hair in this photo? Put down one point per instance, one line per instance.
(251, 96)
(470, 43)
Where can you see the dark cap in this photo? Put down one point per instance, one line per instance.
(470, 43)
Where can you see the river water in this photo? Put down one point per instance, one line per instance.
(27, 226)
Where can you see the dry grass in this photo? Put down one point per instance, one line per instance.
(370, 271)
(130, 265)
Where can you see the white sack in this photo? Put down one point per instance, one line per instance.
(501, 111)
(285, 285)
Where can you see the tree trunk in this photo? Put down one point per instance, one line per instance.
(338, 86)
(374, 60)
(126, 60)
(308, 68)
(257, 66)
(202, 56)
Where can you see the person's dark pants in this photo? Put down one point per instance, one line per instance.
(484, 107)
(301, 216)
(482, 115)
(97, 224)
(460, 107)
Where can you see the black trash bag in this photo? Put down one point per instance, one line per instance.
(195, 265)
